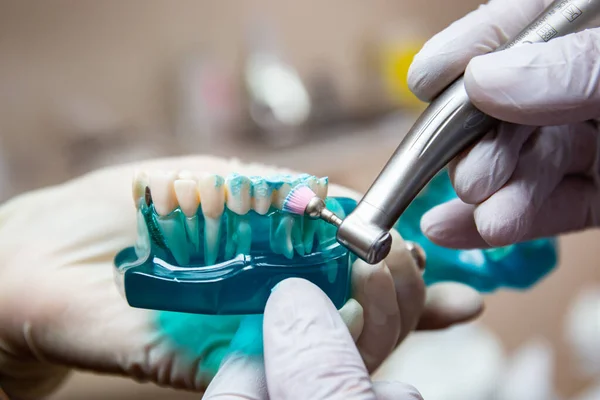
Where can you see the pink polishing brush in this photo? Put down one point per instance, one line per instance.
(303, 201)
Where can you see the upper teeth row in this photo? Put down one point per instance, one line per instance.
(212, 193)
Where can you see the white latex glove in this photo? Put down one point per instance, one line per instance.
(519, 182)
(60, 308)
(308, 354)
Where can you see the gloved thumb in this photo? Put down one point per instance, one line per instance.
(309, 353)
(543, 84)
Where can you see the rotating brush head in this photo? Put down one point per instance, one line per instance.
(303, 201)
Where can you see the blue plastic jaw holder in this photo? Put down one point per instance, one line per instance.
(150, 276)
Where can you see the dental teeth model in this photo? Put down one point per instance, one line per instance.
(181, 200)
(217, 245)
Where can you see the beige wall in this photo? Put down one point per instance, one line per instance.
(113, 61)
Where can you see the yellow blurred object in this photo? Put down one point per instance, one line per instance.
(395, 62)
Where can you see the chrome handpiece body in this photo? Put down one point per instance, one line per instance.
(449, 125)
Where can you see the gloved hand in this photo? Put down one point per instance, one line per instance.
(60, 308)
(308, 354)
(520, 182)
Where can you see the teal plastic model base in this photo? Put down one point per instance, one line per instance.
(150, 276)
(518, 266)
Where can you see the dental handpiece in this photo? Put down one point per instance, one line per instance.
(449, 125)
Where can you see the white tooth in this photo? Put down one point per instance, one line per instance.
(308, 233)
(212, 237)
(212, 195)
(193, 231)
(322, 186)
(212, 202)
(297, 237)
(310, 225)
(244, 236)
(142, 245)
(230, 235)
(313, 183)
(238, 191)
(186, 174)
(186, 191)
(239, 235)
(163, 192)
(162, 188)
(173, 230)
(280, 195)
(189, 200)
(283, 236)
(238, 194)
(140, 183)
(274, 220)
(332, 271)
(261, 195)
(238, 198)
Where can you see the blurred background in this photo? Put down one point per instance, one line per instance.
(310, 85)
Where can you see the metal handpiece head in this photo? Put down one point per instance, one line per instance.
(363, 237)
(314, 208)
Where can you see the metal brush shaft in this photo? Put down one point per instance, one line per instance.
(448, 126)
(316, 208)
(331, 218)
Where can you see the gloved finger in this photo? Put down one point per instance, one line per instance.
(409, 284)
(395, 391)
(554, 152)
(391, 295)
(309, 353)
(574, 205)
(448, 304)
(509, 213)
(488, 165)
(373, 287)
(452, 224)
(242, 373)
(445, 56)
(352, 314)
(551, 83)
(241, 377)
